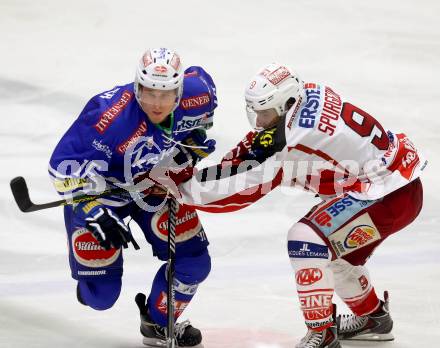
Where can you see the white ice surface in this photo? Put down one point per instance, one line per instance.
(54, 55)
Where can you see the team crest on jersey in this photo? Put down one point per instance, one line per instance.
(88, 252)
(187, 225)
(149, 142)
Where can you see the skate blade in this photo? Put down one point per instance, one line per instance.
(372, 337)
(157, 343)
(153, 342)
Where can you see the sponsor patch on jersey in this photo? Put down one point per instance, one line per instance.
(359, 236)
(293, 117)
(406, 159)
(317, 307)
(109, 115)
(195, 102)
(140, 131)
(187, 225)
(300, 249)
(161, 305)
(308, 276)
(189, 122)
(331, 215)
(355, 235)
(88, 252)
(267, 139)
(70, 184)
(98, 145)
(309, 111)
(315, 301)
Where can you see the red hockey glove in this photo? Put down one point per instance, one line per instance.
(239, 153)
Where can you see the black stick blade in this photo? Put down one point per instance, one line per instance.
(21, 194)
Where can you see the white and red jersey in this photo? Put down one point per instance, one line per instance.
(331, 147)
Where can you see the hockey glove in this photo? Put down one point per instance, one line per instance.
(199, 145)
(266, 143)
(166, 175)
(241, 152)
(108, 229)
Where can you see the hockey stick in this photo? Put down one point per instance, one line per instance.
(21, 192)
(172, 217)
(21, 195)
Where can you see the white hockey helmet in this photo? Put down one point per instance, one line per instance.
(159, 68)
(274, 87)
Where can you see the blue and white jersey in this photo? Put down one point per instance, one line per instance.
(94, 147)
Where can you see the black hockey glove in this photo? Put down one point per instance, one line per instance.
(267, 142)
(199, 145)
(263, 145)
(108, 229)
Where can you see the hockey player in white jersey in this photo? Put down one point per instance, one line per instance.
(309, 136)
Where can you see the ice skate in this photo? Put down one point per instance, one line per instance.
(373, 327)
(324, 339)
(154, 335)
(327, 338)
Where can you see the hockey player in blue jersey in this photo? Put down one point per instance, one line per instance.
(119, 136)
